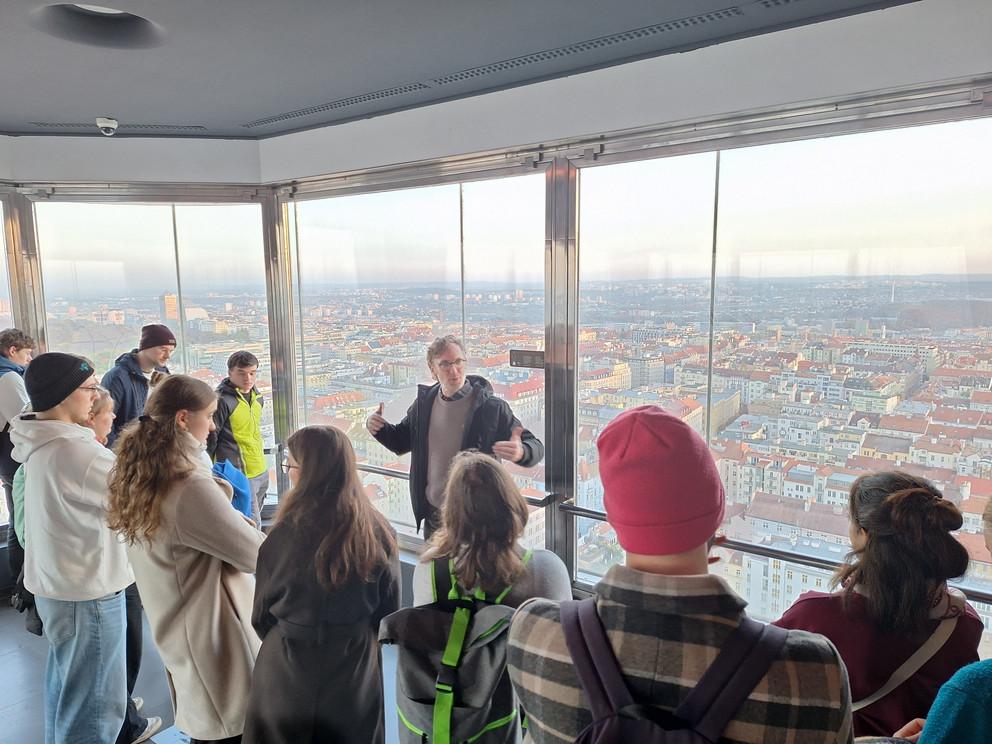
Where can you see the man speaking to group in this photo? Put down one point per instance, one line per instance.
(457, 413)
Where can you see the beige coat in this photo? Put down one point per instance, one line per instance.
(196, 583)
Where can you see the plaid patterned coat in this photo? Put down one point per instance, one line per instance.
(666, 631)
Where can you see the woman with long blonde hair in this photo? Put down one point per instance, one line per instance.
(327, 574)
(192, 556)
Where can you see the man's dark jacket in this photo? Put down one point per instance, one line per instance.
(490, 421)
(128, 387)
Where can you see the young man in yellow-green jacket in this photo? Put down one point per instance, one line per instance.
(238, 421)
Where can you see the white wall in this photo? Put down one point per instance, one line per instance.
(106, 159)
(4, 157)
(923, 42)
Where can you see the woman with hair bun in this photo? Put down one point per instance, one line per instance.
(894, 601)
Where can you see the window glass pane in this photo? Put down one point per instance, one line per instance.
(108, 269)
(380, 278)
(222, 272)
(645, 260)
(853, 319)
(596, 549)
(504, 233)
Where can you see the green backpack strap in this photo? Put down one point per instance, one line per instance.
(444, 687)
(502, 595)
(444, 585)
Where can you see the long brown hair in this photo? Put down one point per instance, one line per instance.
(355, 539)
(909, 553)
(483, 517)
(152, 455)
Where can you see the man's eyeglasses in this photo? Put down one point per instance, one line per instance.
(458, 364)
(93, 388)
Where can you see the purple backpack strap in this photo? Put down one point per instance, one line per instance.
(744, 659)
(596, 664)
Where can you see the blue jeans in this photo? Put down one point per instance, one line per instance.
(85, 675)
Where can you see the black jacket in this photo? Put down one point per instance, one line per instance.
(318, 676)
(128, 387)
(490, 421)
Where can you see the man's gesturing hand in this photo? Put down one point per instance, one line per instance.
(511, 449)
(376, 422)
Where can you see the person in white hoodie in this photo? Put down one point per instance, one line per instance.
(77, 567)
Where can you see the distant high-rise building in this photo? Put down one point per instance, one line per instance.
(168, 304)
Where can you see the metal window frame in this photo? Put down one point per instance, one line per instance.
(560, 160)
(765, 551)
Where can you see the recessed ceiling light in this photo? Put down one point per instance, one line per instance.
(98, 9)
(98, 25)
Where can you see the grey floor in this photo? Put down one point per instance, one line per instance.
(22, 668)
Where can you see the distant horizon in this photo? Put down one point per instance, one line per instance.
(247, 290)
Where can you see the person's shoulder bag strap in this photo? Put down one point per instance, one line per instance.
(914, 663)
(595, 662)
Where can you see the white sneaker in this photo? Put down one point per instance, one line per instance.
(154, 724)
(138, 702)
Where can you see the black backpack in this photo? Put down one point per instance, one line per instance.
(705, 712)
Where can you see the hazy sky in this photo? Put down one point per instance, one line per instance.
(92, 250)
(906, 201)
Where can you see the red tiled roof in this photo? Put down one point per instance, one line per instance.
(960, 416)
(979, 486)
(784, 510)
(909, 424)
(982, 396)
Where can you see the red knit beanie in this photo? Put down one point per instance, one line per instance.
(156, 334)
(663, 491)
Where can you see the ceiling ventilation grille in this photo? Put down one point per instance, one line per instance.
(338, 104)
(122, 127)
(768, 4)
(680, 24)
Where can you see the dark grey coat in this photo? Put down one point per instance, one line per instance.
(318, 676)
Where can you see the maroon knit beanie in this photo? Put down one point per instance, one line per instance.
(663, 493)
(156, 334)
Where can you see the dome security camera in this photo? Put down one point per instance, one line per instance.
(106, 125)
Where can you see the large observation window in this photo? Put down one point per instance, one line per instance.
(852, 315)
(816, 310)
(381, 275)
(111, 268)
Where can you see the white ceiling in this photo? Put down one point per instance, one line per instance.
(253, 68)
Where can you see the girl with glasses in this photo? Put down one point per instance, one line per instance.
(327, 574)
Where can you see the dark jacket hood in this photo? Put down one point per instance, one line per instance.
(129, 361)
